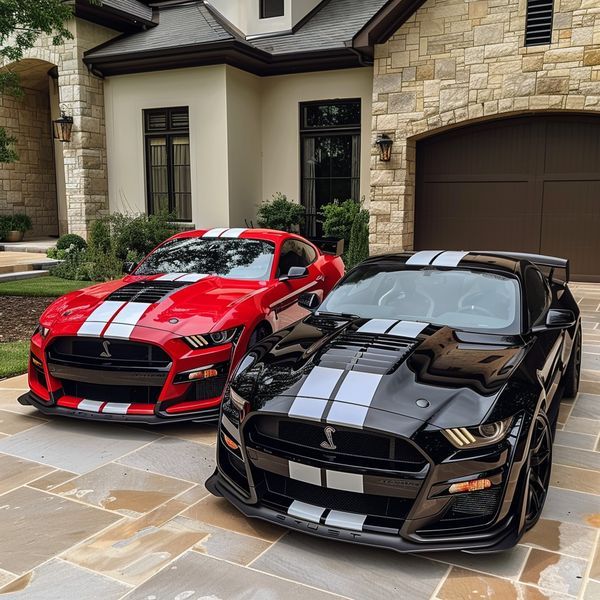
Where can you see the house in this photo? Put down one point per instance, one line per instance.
(208, 107)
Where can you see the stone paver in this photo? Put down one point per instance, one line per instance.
(91, 510)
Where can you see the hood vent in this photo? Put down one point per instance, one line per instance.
(146, 291)
(370, 353)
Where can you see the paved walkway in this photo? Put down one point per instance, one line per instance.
(93, 511)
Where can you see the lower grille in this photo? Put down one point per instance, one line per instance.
(281, 490)
(112, 393)
(475, 504)
(207, 388)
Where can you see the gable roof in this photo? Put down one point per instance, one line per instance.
(192, 34)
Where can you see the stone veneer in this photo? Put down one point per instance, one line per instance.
(82, 95)
(459, 61)
(29, 185)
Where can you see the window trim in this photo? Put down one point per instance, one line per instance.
(262, 10)
(168, 133)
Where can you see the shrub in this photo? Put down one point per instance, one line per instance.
(20, 222)
(74, 266)
(358, 247)
(5, 226)
(71, 239)
(338, 218)
(280, 213)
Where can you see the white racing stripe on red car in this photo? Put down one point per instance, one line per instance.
(216, 232)
(234, 232)
(192, 277)
(101, 315)
(115, 408)
(90, 405)
(169, 277)
(126, 320)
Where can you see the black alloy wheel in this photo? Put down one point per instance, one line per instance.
(540, 463)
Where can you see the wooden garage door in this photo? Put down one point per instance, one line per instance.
(529, 184)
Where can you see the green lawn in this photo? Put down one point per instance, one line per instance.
(13, 358)
(41, 286)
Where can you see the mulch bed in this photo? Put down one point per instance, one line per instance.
(19, 316)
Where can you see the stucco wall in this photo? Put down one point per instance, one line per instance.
(457, 61)
(203, 90)
(281, 123)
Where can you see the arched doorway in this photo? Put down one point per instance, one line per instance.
(31, 185)
(528, 183)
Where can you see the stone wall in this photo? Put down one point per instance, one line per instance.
(459, 61)
(29, 185)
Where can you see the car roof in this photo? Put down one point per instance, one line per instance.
(271, 235)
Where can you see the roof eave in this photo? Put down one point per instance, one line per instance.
(110, 17)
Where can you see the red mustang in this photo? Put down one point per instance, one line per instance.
(158, 345)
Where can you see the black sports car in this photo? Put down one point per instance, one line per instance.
(414, 409)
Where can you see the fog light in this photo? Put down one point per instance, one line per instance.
(230, 443)
(205, 374)
(36, 362)
(470, 486)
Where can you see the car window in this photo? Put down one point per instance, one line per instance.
(537, 295)
(460, 298)
(231, 258)
(295, 253)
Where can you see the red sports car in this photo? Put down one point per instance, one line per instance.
(158, 345)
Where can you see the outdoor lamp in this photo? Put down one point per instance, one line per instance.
(63, 127)
(384, 142)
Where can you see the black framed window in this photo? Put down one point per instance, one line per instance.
(330, 155)
(538, 23)
(168, 179)
(271, 8)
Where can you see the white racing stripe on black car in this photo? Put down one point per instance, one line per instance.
(407, 329)
(376, 326)
(449, 259)
(348, 482)
(305, 473)
(344, 520)
(422, 258)
(101, 315)
(307, 512)
(126, 320)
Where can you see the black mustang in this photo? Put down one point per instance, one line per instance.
(414, 409)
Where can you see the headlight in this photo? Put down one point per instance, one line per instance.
(473, 437)
(237, 400)
(213, 339)
(43, 331)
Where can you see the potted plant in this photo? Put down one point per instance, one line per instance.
(19, 224)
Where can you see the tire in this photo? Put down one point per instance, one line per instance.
(262, 331)
(573, 370)
(539, 464)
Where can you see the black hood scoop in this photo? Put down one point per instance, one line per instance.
(149, 291)
(366, 352)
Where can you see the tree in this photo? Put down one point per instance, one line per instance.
(22, 22)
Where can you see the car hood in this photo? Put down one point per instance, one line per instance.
(189, 308)
(440, 377)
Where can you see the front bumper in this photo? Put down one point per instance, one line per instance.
(502, 536)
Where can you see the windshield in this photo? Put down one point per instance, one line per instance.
(231, 258)
(459, 298)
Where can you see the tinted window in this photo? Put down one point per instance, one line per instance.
(233, 258)
(537, 297)
(459, 298)
(295, 254)
(271, 8)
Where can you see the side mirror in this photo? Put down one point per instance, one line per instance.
(558, 318)
(309, 301)
(295, 273)
(129, 267)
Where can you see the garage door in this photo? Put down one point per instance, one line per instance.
(529, 184)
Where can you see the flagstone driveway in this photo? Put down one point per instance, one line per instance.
(91, 510)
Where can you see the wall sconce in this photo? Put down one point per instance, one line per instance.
(384, 143)
(63, 127)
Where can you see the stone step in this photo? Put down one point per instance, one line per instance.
(4, 277)
(22, 267)
(36, 246)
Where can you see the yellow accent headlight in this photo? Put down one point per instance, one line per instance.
(473, 437)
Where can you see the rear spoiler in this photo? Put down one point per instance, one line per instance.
(555, 269)
(329, 245)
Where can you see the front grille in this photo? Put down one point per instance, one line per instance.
(354, 448)
(146, 291)
(207, 388)
(372, 353)
(112, 393)
(281, 490)
(92, 352)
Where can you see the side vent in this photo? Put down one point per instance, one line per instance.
(538, 26)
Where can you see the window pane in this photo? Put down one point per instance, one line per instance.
(159, 185)
(182, 186)
(271, 8)
(343, 114)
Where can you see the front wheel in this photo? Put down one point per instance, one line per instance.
(573, 370)
(538, 469)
